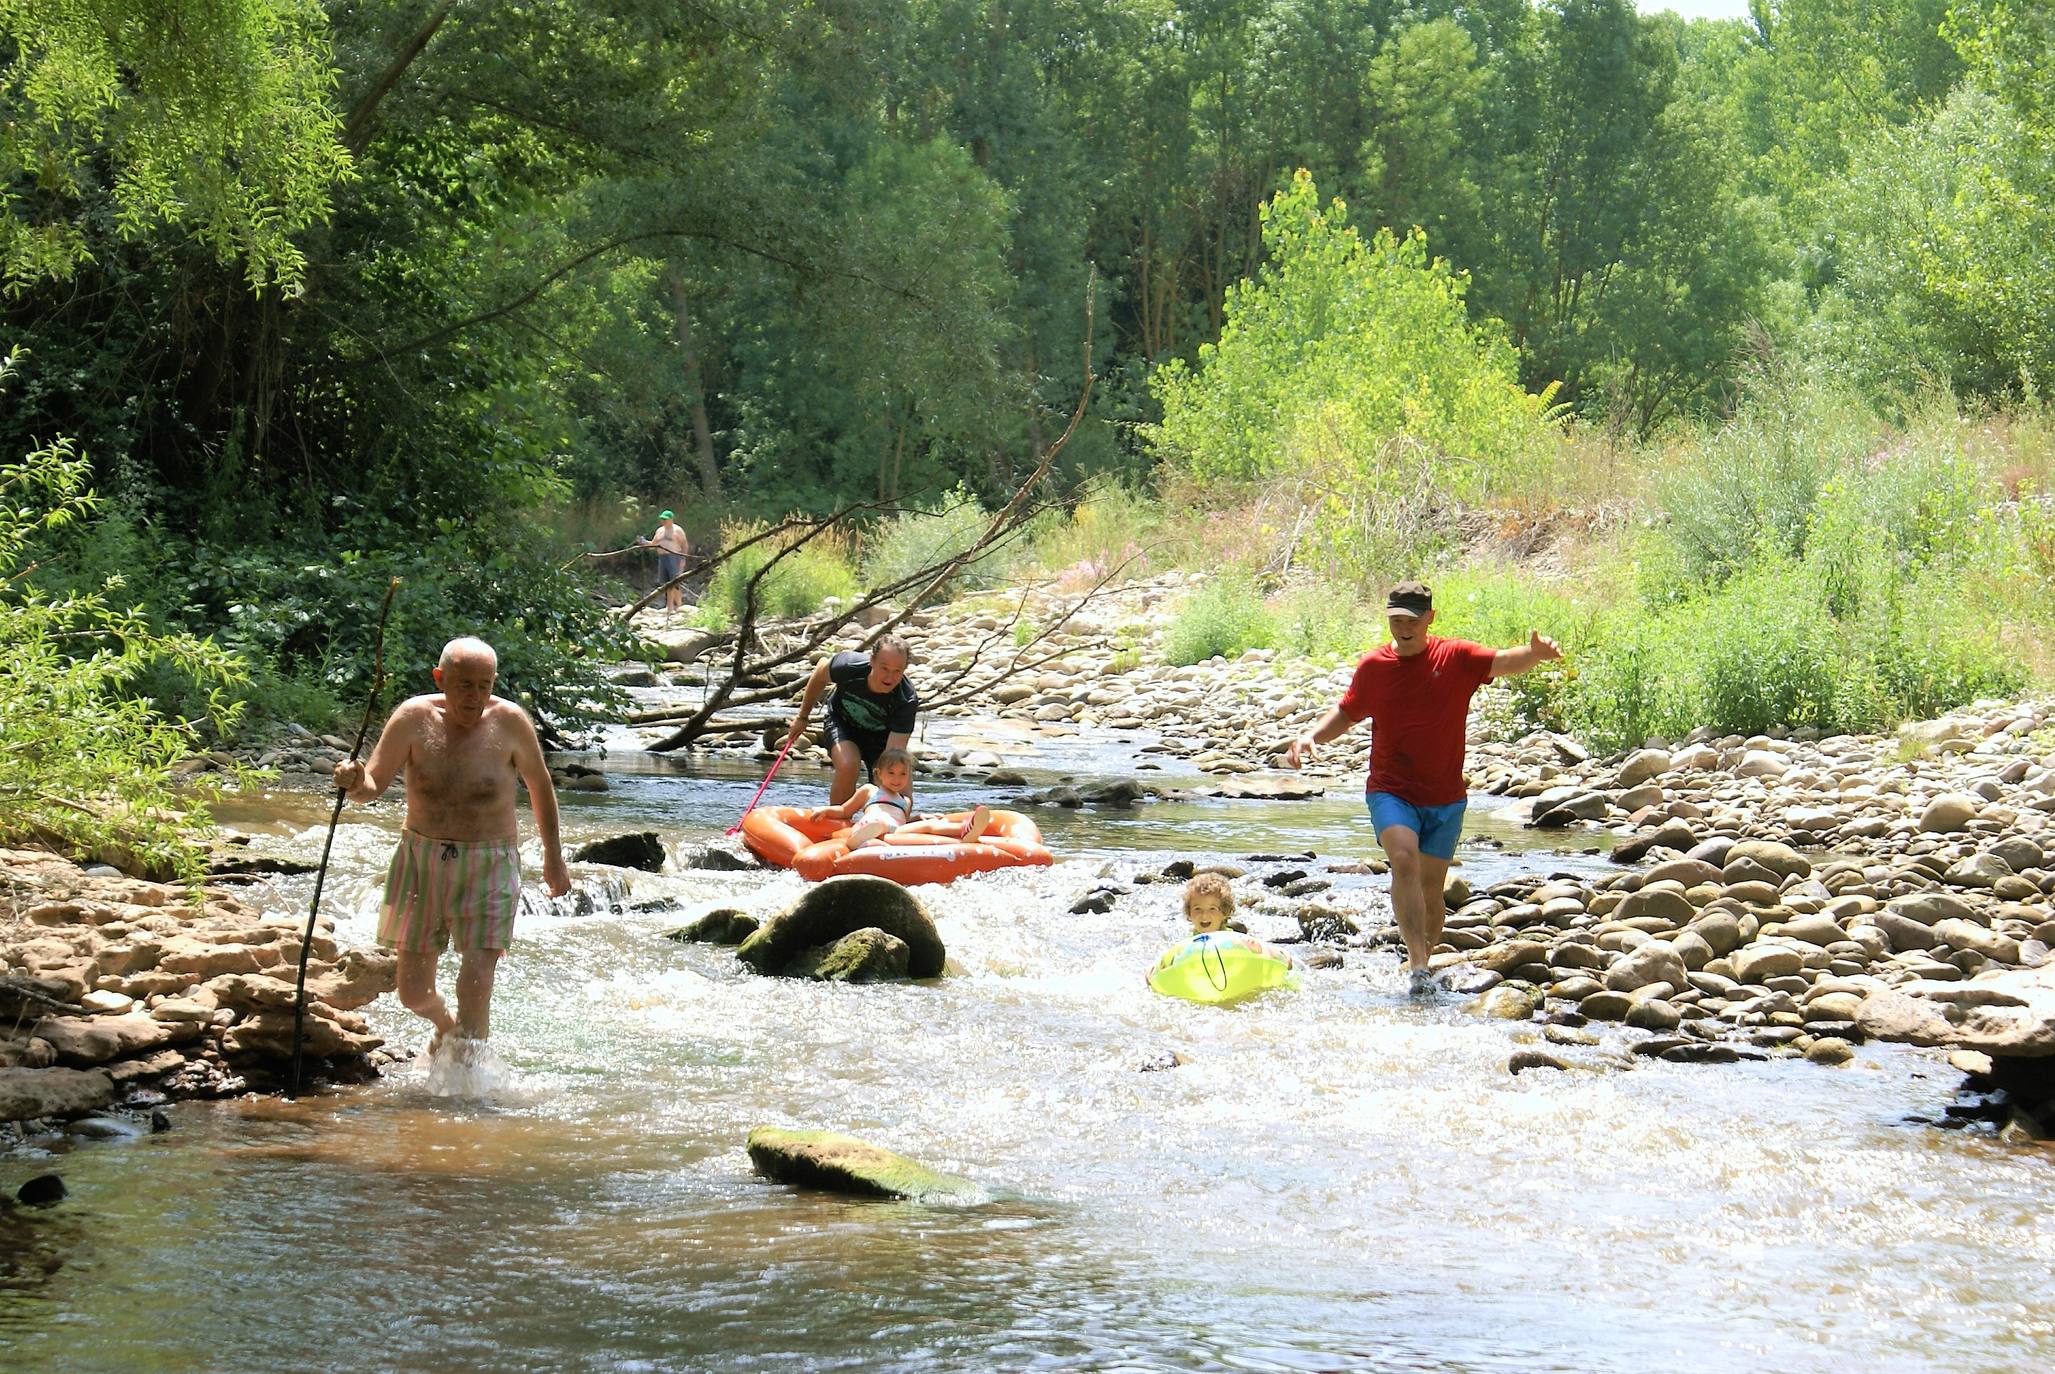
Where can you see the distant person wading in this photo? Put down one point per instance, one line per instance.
(873, 709)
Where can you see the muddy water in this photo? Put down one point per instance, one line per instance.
(1340, 1179)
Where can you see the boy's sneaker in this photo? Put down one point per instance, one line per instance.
(1422, 983)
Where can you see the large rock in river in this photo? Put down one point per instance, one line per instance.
(840, 906)
(641, 850)
(2004, 1015)
(843, 1164)
(26, 1094)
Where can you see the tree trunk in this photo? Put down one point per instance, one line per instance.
(695, 388)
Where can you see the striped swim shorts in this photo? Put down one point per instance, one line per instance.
(440, 893)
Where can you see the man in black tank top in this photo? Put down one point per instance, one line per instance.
(873, 709)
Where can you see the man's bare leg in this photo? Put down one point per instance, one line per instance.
(474, 992)
(415, 986)
(1416, 892)
(848, 764)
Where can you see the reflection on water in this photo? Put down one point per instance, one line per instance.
(1340, 1179)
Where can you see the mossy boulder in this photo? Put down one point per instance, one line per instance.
(869, 955)
(838, 1163)
(829, 910)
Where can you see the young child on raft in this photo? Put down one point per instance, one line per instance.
(884, 805)
(1208, 907)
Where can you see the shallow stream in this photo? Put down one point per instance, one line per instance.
(1338, 1179)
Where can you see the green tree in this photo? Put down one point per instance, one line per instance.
(1334, 349)
(117, 118)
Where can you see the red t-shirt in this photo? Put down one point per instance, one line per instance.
(1419, 709)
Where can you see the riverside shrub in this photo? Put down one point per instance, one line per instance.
(1224, 618)
(923, 535)
(795, 586)
(1339, 362)
(85, 758)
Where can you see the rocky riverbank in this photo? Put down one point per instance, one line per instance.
(117, 995)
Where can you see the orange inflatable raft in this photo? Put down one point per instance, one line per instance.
(789, 837)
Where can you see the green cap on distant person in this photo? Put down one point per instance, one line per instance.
(663, 515)
(1409, 599)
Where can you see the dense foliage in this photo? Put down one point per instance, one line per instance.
(329, 291)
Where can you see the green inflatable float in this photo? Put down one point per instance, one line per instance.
(1220, 966)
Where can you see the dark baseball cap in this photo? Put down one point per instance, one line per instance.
(1409, 598)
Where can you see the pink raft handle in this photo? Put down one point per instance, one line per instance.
(789, 742)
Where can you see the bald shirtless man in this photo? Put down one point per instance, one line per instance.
(456, 876)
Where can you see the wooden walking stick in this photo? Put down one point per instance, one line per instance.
(321, 874)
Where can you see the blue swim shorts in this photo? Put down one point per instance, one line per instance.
(1439, 827)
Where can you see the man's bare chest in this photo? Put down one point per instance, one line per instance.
(461, 769)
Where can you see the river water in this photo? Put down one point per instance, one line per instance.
(1337, 1179)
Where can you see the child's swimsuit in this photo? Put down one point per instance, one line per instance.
(888, 808)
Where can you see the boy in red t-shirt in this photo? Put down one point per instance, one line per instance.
(1416, 693)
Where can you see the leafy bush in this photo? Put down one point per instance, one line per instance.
(1748, 487)
(1337, 348)
(85, 760)
(1110, 527)
(795, 586)
(924, 535)
(1322, 620)
(311, 619)
(1224, 617)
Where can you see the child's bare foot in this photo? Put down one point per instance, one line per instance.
(974, 828)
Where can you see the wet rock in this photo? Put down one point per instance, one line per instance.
(828, 910)
(642, 850)
(26, 1094)
(1513, 954)
(718, 858)
(862, 956)
(1830, 1050)
(722, 926)
(1507, 1002)
(1468, 982)
(1703, 1052)
(1655, 1014)
(44, 1190)
(839, 1163)
(1160, 1061)
(1607, 1005)
(265, 1039)
(1523, 1060)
